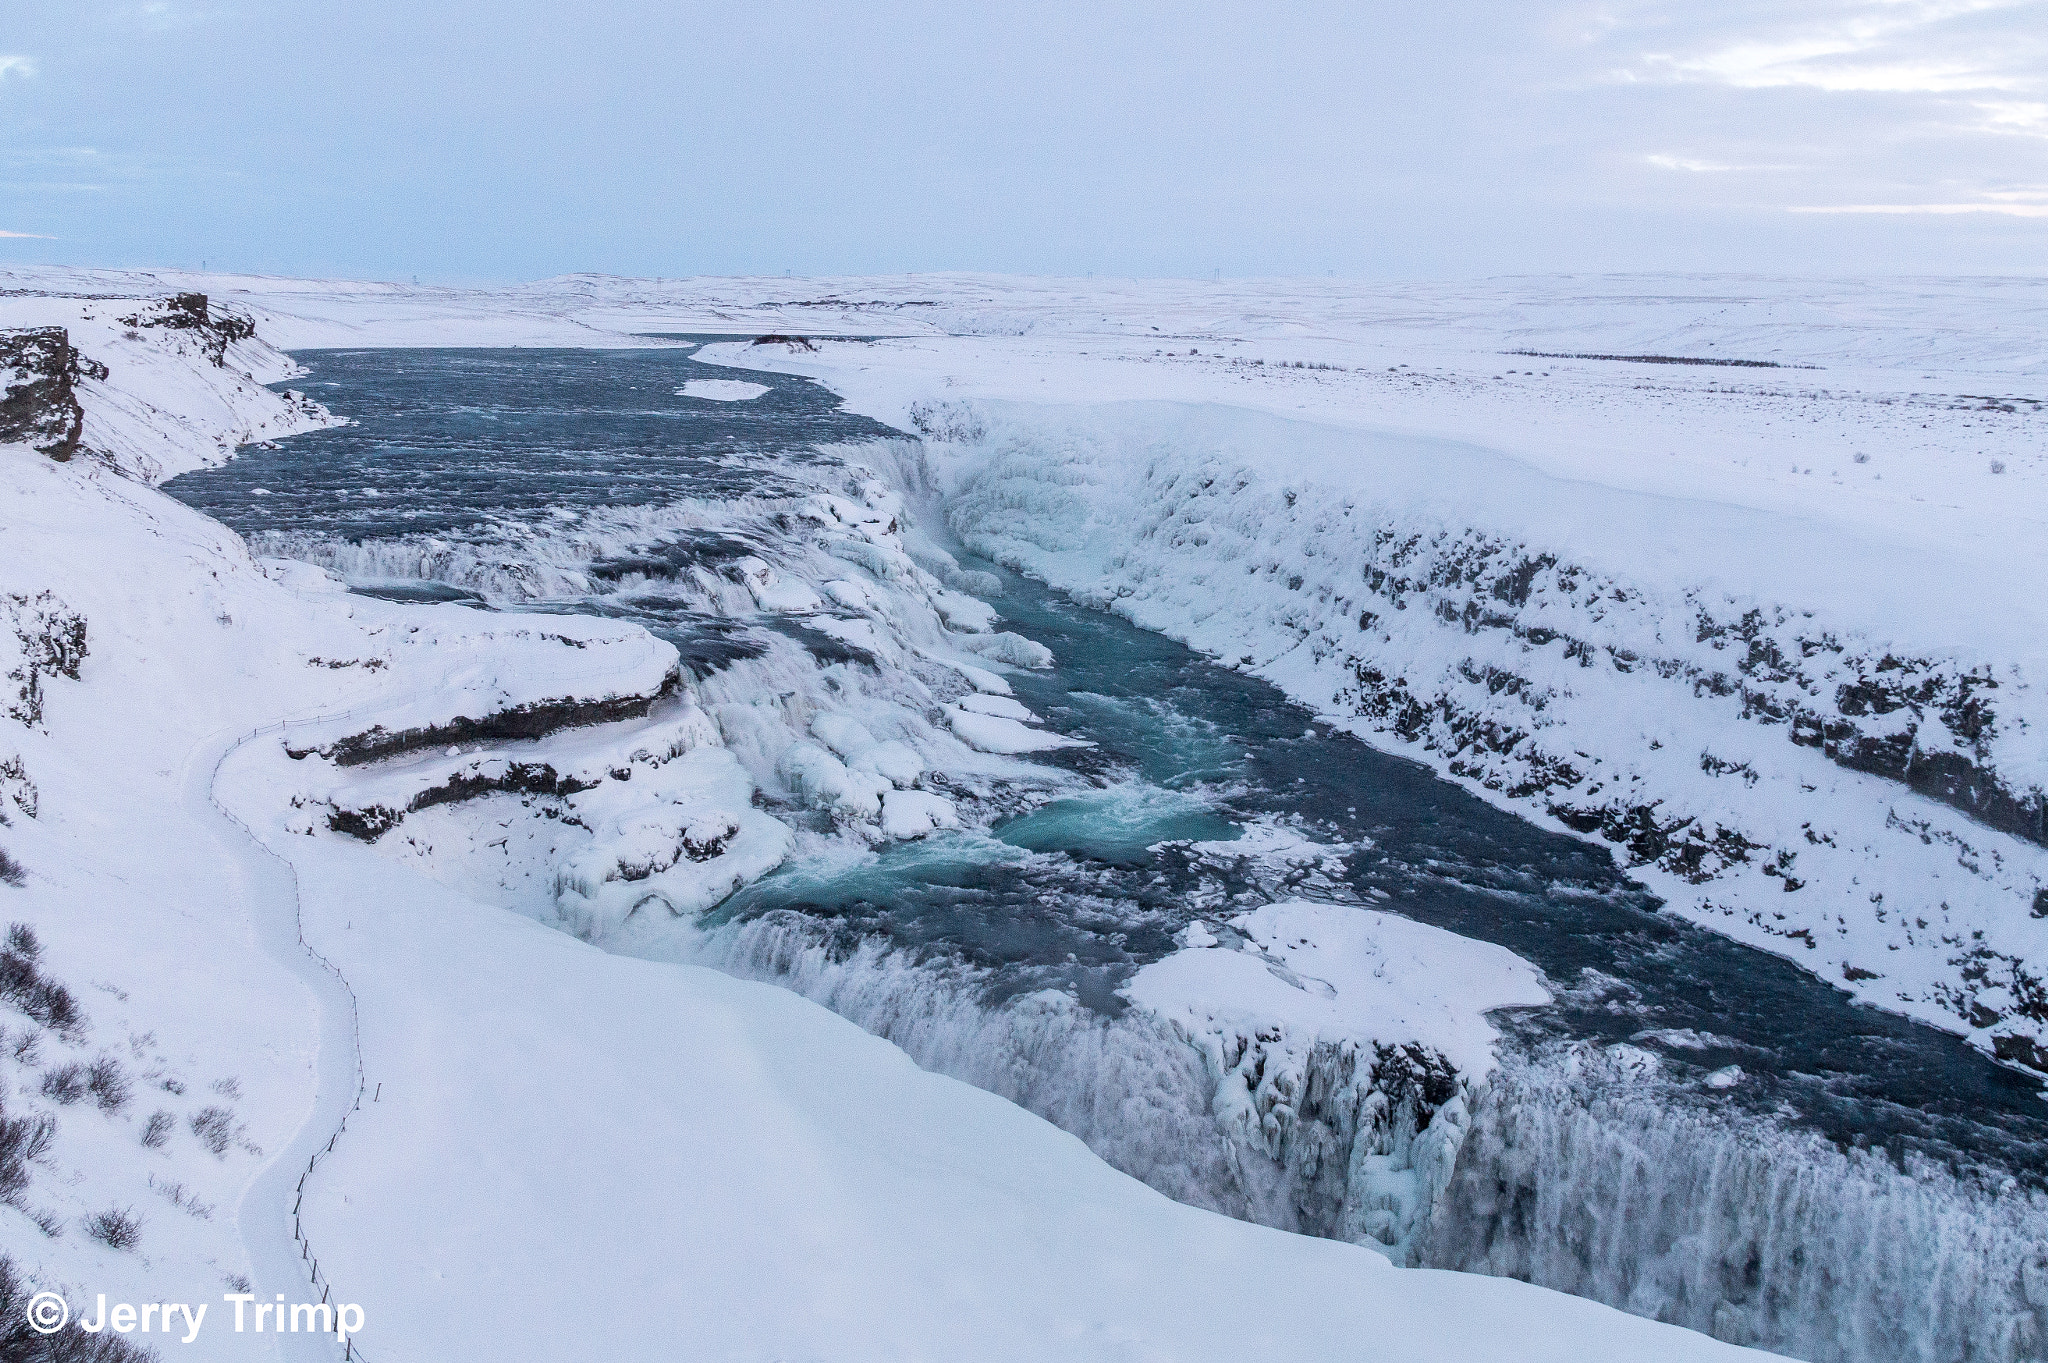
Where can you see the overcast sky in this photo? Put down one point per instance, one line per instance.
(465, 140)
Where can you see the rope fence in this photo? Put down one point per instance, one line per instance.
(350, 1350)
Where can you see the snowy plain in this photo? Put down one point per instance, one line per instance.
(525, 1163)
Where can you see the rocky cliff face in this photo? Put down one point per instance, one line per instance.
(190, 312)
(39, 404)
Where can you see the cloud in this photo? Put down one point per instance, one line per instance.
(1870, 46)
(37, 236)
(2022, 117)
(2011, 203)
(2009, 210)
(1664, 161)
(162, 16)
(1929, 108)
(16, 66)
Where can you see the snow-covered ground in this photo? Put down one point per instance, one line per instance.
(550, 1151)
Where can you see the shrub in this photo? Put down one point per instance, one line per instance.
(11, 871)
(18, 977)
(108, 1085)
(114, 1228)
(157, 1129)
(65, 1084)
(182, 1199)
(52, 1005)
(214, 1126)
(22, 1141)
(22, 984)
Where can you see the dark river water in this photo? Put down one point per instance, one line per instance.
(470, 446)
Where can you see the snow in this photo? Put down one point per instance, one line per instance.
(1014, 649)
(558, 1150)
(982, 680)
(1329, 971)
(914, 813)
(1003, 707)
(999, 734)
(722, 390)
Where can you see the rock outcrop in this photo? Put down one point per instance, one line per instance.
(190, 312)
(39, 405)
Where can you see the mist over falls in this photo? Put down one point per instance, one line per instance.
(1863, 1188)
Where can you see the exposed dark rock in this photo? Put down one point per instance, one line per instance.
(2020, 1050)
(1927, 723)
(704, 841)
(526, 722)
(39, 403)
(518, 778)
(1659, 359)
(371, 822)
(190, 312)
(368, 823)
(957, 422)
(1354, 1099)
(1945, 776)
(1681, 846)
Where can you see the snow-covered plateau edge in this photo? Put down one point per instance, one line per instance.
(523, 1127)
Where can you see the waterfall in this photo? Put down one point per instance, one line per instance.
(1355, 1142)
(1585, 1174)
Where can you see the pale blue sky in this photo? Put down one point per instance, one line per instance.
(462, 140)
